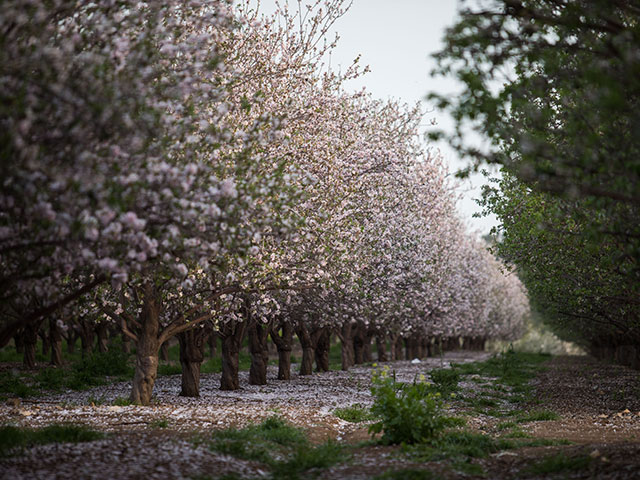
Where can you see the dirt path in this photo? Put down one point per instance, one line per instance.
(598, 407)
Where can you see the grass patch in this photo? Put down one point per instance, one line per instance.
(558, 464)
(12, 384)
(282, 447)
(354, 414)
(14, 439)
(121, 401)
(169, 369)
(160, 423)
(445, 379)
(511, 368)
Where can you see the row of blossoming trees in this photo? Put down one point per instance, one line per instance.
(184, 168)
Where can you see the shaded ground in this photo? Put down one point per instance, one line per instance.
(597, 406)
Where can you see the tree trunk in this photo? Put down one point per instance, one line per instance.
(19, 342)
(393, 351)
(358, 344)
(346, 339)
(30, 339)
(164, 351)
(126, 343)
(322, 350)
(102, 332)
(71, 337)
(46, 344)
(284, 343)
(408, 351)
(417, 345)
(55, 338)
(367, 337)
(87, 335)
(212, 341)
(231, 335)
(306, 365)
(191, 357)
(259, 351)
(147, 347)
(381, 347)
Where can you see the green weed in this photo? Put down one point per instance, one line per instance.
(121, 401)
(354, 414)
(281, 446)
(12, 384)
(559, 463)
(160, 423)
(408, 413)
(445, 379)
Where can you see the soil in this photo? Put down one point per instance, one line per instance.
(598, 405)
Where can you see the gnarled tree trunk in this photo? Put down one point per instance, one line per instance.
(71, 337)
(304, 336)
(46, 344)
(147, 347)
(259, 351)
(284, 344)
(381, 347)
(231, 336)
(191, 357)
(212, 341)
(30, 340)
(346, 339)
(87, 336)
(55, 338)
(322, 349)
(102, 332)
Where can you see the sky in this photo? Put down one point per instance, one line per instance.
(396, 39)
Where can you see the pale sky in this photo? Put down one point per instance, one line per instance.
(396, 38)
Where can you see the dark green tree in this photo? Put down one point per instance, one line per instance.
(554, 86)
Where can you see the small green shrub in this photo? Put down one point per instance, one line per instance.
(354, 414)
(408, 413)
(445, 379)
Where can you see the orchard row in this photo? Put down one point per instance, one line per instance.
(187, 167)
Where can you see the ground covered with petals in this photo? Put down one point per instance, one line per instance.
(578, 419)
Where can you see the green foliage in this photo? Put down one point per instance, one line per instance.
(121, 401)
(92, 370)
(445, 379)
(354, 414)
(563, 124)
(560, 463)
(14, 439)
(169, 369)
(51, 378)
(453, 444)
(408, 413)
(279, 445)
(160, 423)
(12, 384)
